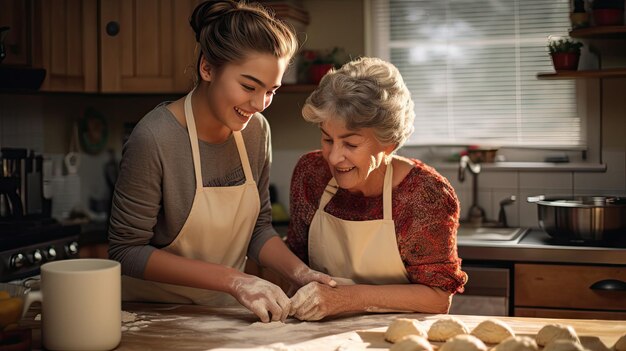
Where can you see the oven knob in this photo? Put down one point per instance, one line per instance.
(17, 261)
(52, 253)
(72, 248)
(37, 256)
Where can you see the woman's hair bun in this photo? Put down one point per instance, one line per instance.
(209, 11)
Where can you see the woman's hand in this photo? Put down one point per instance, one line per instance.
(315, 301)
(305, 275)
(263, 298)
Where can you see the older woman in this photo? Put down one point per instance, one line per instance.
(385, 223)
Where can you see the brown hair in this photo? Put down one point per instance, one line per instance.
(228, 30)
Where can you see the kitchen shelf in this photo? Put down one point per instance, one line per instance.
(602, 32)
(604, 73)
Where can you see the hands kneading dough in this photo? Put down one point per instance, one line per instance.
(551, 332)
(463, 342)
(412, 343)
(446, 328)
(262, 298)
(492, 331)
(402, 327)
(314, 301)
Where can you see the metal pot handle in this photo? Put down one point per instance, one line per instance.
(609, 285)
(534, 199)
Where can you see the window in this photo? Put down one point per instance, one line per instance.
(471, 67)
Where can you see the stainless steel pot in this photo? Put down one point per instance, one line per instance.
(582, 218)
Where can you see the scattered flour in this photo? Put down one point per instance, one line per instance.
(128, 317)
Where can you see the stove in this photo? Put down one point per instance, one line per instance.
(27, 243)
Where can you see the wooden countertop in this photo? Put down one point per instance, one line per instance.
(192, 327)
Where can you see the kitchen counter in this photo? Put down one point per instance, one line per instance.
(537, 246)
(192, 327)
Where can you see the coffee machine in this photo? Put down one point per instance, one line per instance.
(21, 184)
(29, 236)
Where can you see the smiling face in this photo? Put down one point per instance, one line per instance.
(238, 90)
(355, 157)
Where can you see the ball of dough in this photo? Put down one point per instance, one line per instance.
(463, 342)
(445, 328)
(412, 343)
(563, 345)
(551, 332)
(402, 327)
(517, 343)
(492, 331)
(620, 345)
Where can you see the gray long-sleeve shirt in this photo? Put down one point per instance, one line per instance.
(156, 185)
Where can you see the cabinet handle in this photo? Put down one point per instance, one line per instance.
(609, 285)
(113, 28)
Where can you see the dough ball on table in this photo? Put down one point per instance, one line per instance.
(445, 328)
(402, 327)
(517, 343)
(463, 342)
(620, 345)
(551, 332)
(492, 331)
(564, 345)
(412, 343)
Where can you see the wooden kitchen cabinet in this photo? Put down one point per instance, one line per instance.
(154, 49)
(69, 44)
(564, 291)
(16, 15)
(117, 46)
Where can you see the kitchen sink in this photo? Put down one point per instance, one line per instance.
(491, 234)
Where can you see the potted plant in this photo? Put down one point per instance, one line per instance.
(565, 54)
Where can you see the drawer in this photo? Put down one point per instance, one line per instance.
(567, 286)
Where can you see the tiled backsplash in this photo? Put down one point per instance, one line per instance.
(25, 122)
(494, 186)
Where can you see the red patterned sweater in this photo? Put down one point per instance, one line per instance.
(425, 213)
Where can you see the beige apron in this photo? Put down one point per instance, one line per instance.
(218, 230)
(364, 251)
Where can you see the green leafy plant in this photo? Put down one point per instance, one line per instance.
(564, 45)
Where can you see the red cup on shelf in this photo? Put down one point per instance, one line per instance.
(608, 17)
(318, 70)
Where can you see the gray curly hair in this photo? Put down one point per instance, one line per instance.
(365, 93)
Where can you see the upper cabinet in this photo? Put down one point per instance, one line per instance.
(146, 46)
(69, 44)
(117, 46)
(16, 15)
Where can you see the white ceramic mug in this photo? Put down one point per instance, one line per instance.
(81, 304)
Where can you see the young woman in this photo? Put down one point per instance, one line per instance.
(384, 223)
(192, 198)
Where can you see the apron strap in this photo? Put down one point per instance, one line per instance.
(387, 189)
(332, 187)
(243, 155)
(193, 138)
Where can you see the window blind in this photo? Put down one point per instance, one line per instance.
(471, 68)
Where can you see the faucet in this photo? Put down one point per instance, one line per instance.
(476, 215)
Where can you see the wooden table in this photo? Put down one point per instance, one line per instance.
(191, 327)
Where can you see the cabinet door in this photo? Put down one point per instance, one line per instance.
(16, 15)
(152, 50)
(69, 44)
